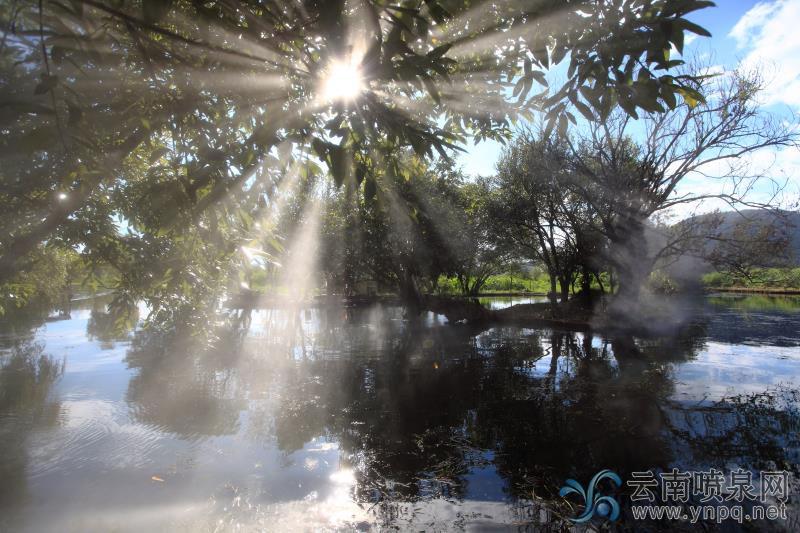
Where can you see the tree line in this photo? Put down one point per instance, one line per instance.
(581, 205)
(156, 140)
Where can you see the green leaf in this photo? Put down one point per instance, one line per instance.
(563, 125)
(694, 28)
(676, 37)
(668, 96)
(628, 106)
(361, 172)
(541, 55)
(540, 78)
(337, 164)
(583, 109)
(432, 90)
(438, 13)
(526, 88)
(74, 114)
(439, 51)
(518, 87)
(548, 129)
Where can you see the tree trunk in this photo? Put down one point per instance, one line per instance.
(586, 280)
(553, 294)
(599, 282)
(477, 285)
(564, 283)
(410, 294)
(633, 268)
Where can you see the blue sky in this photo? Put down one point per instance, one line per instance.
(762, 33)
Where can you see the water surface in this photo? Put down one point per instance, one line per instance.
(342, 418)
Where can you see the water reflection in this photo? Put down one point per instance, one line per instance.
(755, 319)
(110, 325)
(501, 302)
(343, 418)
(27, 376)
(453, 413)
(182, 389)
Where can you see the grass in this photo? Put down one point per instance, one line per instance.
(501, 283)
(762, 278)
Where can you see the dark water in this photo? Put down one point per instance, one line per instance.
(357, 419)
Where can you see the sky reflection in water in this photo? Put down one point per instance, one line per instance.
(337, 418)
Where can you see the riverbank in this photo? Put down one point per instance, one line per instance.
(754, 290)
(574, 315)
(257, 300)
(514, 294)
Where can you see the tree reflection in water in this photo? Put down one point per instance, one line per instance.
(185, 386)
(27, 376)
(423, 413)
(109, 325)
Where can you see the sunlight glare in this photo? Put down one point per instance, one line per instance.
(343, 80)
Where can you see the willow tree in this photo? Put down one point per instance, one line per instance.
(151, 134)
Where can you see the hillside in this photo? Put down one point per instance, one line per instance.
(787, 222)
(716, 228)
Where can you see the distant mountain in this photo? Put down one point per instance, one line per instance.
(723, 225)
(786, 221)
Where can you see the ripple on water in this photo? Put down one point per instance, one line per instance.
(93, 433)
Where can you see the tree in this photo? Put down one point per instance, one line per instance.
(45, 283)
(480, 253)
(400, 228)
(534, 209)
(628, 179)
(425, 219)
(150, 133)
(749, 244)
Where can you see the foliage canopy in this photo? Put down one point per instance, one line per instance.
(150, 135)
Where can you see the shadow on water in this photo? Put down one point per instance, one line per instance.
(491, 422)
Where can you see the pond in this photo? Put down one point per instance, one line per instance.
(359, 419)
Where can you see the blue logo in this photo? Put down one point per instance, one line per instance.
(596, 503)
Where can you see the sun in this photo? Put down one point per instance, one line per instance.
(342, 80)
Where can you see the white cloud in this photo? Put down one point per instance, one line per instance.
(752, 21)
(769, 36)
(781, 171)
